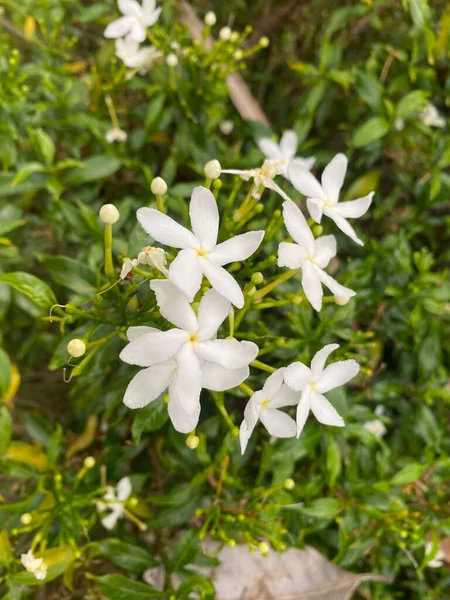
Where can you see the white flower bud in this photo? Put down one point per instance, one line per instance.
(109, 214)
(159, 186)
(171, 60)
(342, 300)
(76, 348)
(212, 169)
(210, 18)
(89, 462)
(225, 34)
(234, 36)
(226, 127)
(264, 42)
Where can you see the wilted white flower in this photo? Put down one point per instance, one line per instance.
(128, 266)
(284, 152)
(116, 135)
(377, 427)
(35, 566)
(187, 358)
(324, 199)
(315, 381)
(226, 127)
(114, 502)
(200, 254)
(431, 117)
(133, 56)
(261, 177)
(438, 560)
(135, 21)
(311, 255)
(264, 405)
(154, 257)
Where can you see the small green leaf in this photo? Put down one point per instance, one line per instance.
(5, 429)
(127, 556)
(118, 587)
(26, 171)
(35, 289)
(96, 167)
(150, 418)
(408, 474)
(322, 508)
(410, 103)
(70, 273)
(333, 461)
(44, 145)
(5, 372)
(371, 131)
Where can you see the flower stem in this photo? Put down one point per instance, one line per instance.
(245, 388)
(271, 286)
(109, 267)
(260, 365)
(208, 183)
(159, 203)
(218, 399)
(239, 213)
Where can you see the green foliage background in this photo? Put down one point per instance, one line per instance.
(350, 78)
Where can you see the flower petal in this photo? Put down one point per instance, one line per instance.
(297, 226)
(204, 216)
(138, 32)
(230, 354)
(124, 489)
(153, 348)
(337, 374)
(269, 148)
(290, 255)
(320, 358)
(252, 410)
(212, 312)
(165, 230)
(130, 8)
(174, 305)
(181, 420)
(273, 383)
(343, 225)
(236, 248)
(219, 379)
(336, 288)
(333, 177)
(244, 435)
(109, 522)
(297, 376)
(133, 333)
(119, 28)
(289, 144)
(148, 384)
(278, 423)
(188, 379)
(150, 17)
(311, 284)
(304, 181)
(355, 208)
(303, 409)
(325, 250)
(223, 282)
(285, 397)
(325, 412)
(185, 272)
(315, 208)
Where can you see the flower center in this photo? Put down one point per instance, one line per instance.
(310, 257)
(313, 384)
(201, 252)
(266, 403)
(328, 204)
(193, 338)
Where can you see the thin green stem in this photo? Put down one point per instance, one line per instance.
(109, 267)
(218, 399)
(160, 203)
(271, 286)
(260, 365)
(245, 388)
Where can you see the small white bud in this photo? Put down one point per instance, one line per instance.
(159, 186)
(264, 42)
(192, 441)
(171, 60)
(225, 34)
(175, 45)
(342, 300)
(89, 462)
(212, 169)
(76, 348)
(226, 127)
(210, 18)
(109, 214)
(26, 519)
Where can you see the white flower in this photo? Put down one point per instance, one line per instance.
(115, 498)
(33, 565)
(377, 427)
(311, 255)
(187, 358)
(135, 21)
(439, 558)
(261, 177)
(431, 117)
(264, 405)
(324, 199)
(284, 152)
(128, 266)
(116, 135)
(200, 254)
(133, 56)
(314, 382)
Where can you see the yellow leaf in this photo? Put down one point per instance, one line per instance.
(85, 439)
(29, 27)
(63, 554)
(14, 383)
(26, 453)
(364, 185)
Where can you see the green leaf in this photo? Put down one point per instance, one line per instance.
(118, 587)
(69, 273)
(35, 289)
(195, 583)
(7, 189)
(44, 145)
(333, 461)
(150, 418)
(26, 171)
(322, 508)
(371, 131)
(5, 429)
(177, 515)
(410, 103)
(5, 372)
(408, 474)
(96, 167)
(53, 572)
(127, 556)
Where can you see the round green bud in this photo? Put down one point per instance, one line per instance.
(297, 300)
(289, 483)
(238, 55)
(89, 462)
(172, 60)
(264, 547)
(192, 441)
(257, 278)
(133, 502)
(26, 519)
(76, 348)
(231, 543)
(264, 42)
(317, 230)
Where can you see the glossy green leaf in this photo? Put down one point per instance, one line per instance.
(35, 289)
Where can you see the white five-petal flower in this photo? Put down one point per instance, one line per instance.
(133, 56)
(264, 405)
(114, 502)
(200, 254)
(284, 152)
(311, 255)
(135, 20)
(323, 199)
(187, 358)
(314, 382)
(263, 176)
(33, 565)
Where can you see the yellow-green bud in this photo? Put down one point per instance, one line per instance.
(234, 36)
(263, 547)
(192, 441)
(212, 169)
(317, 230)
(26, 519)
(238, 55)
(264, 42)
(76, 348)
(89, 462)
(231, 543)
(159, 186)
(133, 502)
(289, 484)
(257, 278)
(109, 214)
